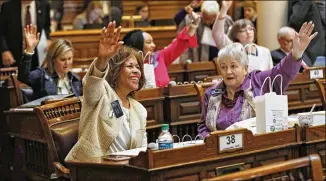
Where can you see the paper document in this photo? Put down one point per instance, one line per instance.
(131, 153)
(41, 46)
(207, 38)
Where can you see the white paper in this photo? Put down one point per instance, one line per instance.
(230, 142)
(149, 76)
(42, 44)
(207, 38)
(131, 153)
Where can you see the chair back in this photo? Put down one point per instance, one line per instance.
(321, 86)
(293, 168)
(60, 122)
(6, 72)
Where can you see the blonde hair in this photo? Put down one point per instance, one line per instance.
(57, 48)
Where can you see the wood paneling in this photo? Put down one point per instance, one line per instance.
(85, 42)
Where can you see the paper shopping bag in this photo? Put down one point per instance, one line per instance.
(271, 111)
(149, 76)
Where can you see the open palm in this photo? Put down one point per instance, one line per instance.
(31, 37)
(302, 39)
(109, 42)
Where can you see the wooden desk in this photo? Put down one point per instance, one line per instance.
(85, 42)
(198, 71)
(314, 138)
(176, 72)
(182, 109)
(194, 162)
(303, 93)
(152, 100)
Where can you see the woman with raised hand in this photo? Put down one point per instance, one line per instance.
(162, 59)
(54, 76)
(231, 100)
(242, 31)
(111, 119)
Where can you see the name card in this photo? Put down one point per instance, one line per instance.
(231, 142)
(316, 74)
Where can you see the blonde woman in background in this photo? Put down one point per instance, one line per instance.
(54, 76)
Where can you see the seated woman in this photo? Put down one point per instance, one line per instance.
(111, 119)
(242, 31)
(143, 11)
(54, 76)
(231, 100)
(163, 58)
(92, 16)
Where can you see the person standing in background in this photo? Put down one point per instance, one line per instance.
(304, 11)
(15, 14)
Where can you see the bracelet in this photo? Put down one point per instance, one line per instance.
(219, 18)
(29, 53)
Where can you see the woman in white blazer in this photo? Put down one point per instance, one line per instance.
(111, 119)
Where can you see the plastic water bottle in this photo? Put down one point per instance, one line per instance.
(165, 139)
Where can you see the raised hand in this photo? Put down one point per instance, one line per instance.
(302, 39)
(226, 4)
(109, 45)
(31, 37)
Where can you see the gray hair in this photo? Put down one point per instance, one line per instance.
(210, 7)
(233, 51)
(284, 30)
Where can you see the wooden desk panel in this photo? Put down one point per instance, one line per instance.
(152, 100)
(85, 42)
(314, 138)
(195, 162)
(198, 71)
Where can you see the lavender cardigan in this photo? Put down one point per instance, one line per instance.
(288, 68)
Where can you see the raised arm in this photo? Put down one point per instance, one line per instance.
(220, 38)
(95, 77)
(185, 39)
(31, 40)
(290, 65)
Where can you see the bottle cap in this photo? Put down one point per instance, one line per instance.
(165, 127)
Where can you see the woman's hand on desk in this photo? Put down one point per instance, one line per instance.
(31, 38)
(302, 40)
(109, 45)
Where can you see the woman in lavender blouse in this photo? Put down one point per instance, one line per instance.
(231, 100)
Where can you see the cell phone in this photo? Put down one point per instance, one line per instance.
(115, 157)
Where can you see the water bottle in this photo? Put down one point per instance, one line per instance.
(165, 139)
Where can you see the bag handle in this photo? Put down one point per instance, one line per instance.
(150, 61)
(278, 75)
(270, 85)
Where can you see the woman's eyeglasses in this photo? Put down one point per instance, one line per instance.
(242, 30)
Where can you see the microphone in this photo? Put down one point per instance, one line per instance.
(152, 146)
(173, 82)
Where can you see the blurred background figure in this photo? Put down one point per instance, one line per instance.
(143, 11)
(112, 10)
(250, 12)
(285, 39)
(90, 18)
(305, 11)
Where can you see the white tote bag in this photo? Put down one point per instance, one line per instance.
(271, 110)
(254, 61)
(149, 73)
